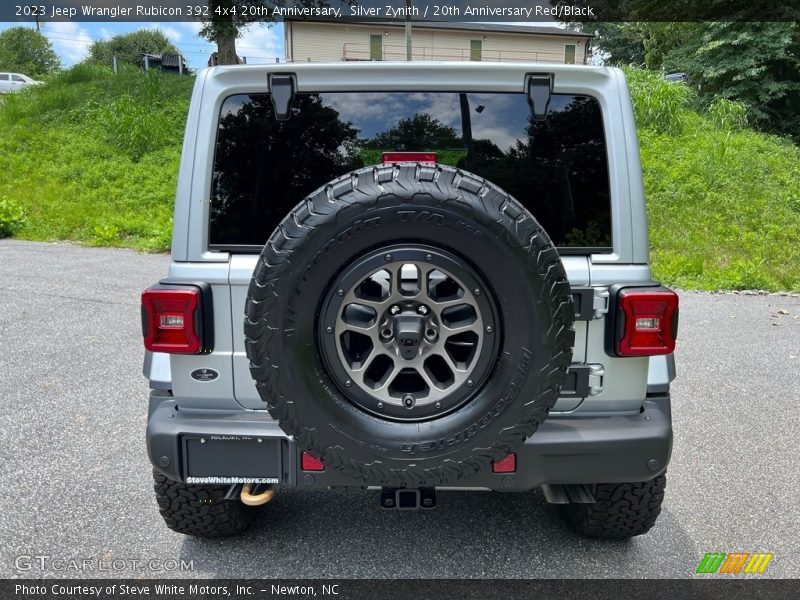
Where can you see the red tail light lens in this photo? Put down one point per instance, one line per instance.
(647, 321)
(311, 463)
(506, 465)
(395, 157)
(172, 319)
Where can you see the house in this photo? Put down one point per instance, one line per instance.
(319, 41)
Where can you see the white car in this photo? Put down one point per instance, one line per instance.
(13, 82)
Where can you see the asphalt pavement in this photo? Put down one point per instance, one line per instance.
(77, 485)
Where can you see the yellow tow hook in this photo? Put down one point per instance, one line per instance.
(258, 499)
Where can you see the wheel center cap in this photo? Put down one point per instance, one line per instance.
(408, 331)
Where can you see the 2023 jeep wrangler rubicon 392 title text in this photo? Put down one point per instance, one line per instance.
(410, 277)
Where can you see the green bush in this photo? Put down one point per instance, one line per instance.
(659, 104)
(12, 217)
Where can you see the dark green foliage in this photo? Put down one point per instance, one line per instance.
(25, 50)
(641, 44)
(755, 63)
(129, 47)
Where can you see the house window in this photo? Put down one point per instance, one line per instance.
(475, 50)
(569, 54)
(376, 47)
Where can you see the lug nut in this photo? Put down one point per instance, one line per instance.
(394, 309)
(409, 401)
(422, 309)
(386, 333)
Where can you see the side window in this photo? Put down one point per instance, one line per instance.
(376, 47)
(475, 50)
(17, 78)
(4, 76)
(569, 54)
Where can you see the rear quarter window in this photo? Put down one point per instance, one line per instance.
(556, 168)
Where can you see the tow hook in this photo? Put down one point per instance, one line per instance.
(250, 499)
(408, 499)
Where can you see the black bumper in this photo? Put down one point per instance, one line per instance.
(199, 447)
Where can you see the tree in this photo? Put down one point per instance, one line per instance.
(25, 50)
(641, 44)
(420, 132)
(755, 63)
(264, 166)
(227, 19)
(129, 47)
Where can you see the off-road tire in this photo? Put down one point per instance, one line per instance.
(445, 208)
(622, 510)
(200, 510)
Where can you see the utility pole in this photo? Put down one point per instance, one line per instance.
(409, 6)
(35, 11)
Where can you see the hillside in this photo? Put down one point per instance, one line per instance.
(93, 157)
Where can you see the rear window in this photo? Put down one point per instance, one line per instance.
(556, 168)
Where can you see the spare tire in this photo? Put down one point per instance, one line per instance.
(409, 325)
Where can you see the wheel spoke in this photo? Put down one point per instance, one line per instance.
(446, 356)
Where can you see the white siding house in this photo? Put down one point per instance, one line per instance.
(318, 41)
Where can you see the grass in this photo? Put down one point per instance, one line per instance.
(723, 201)
(93, 157)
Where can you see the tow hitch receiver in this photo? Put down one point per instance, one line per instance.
(408, 499)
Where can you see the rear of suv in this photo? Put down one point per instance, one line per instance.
(410, 277)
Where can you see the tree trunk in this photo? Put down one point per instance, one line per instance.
(226, 48)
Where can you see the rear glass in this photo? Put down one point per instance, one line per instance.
(556, 168)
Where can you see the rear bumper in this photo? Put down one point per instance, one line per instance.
(565, 450)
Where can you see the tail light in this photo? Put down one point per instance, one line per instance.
(176, 319)
(644, 321)
(395, 157)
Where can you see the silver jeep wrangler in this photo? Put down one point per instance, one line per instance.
(410, 277)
